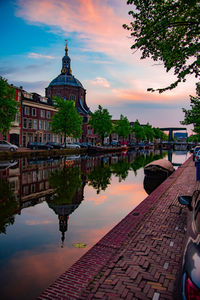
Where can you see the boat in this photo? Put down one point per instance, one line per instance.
(155, 173)
(160, 166)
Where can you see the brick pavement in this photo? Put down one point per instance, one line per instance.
(140, 258)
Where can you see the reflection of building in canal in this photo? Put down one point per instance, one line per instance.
(64, 210)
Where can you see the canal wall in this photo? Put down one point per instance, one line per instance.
(140, 258)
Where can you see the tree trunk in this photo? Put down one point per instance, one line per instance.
(65, 139)
(102, 139)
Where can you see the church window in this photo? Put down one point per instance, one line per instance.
(72, 97)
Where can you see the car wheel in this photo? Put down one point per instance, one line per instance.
(12, 149)
(49, 148)
(34, 148)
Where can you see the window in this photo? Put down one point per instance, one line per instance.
(26, 110)
(49, 137)
(42, 113)
(40, 124)
(49, 126)
(45, 137)
(25, 123)
(72, 97)
(30, 123)
(34, 112)
(48, 115)
(35, 125)
(45, 125)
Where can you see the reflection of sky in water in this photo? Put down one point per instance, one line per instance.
(31, 256)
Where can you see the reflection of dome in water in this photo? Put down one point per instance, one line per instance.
(63, 210)
(64, 79)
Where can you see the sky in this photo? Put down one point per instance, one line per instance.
(33, 35)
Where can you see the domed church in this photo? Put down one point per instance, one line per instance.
(68, 87)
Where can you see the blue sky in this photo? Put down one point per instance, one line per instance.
(33, 39)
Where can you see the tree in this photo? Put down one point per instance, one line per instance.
(122, 127)
(168, 31)
(66, 121)
(149, 132)
(99, 178)
(66, 183)
(138, 131)
(192, 116)
(8, 106)
(101, 122)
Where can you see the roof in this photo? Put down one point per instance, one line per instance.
(64, 79)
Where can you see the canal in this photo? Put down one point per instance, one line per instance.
(54, 210)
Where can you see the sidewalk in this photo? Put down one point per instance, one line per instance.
(141, 257)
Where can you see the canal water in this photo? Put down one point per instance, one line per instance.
(54, 210)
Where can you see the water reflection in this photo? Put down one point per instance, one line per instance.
(61, 202)
(60, 182)
(68, 185)
(8, 205)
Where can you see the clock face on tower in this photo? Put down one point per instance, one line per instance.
(64, 70)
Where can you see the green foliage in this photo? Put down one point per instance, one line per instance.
(138, 131)
(167, 31)
(192, 116)
(8, 205)
(66, 183)
(120, 169)
(122, 127)
(101, 122)
(66, 121)
(100, 177)
(8, 106)
(149, 132)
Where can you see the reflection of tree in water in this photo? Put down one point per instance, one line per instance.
(99, 178)
(8, 205)
(120, 169)
(141, 161)
(66, 182)
(68, 195)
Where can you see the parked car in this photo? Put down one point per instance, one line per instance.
(38, 145)
(6, 146)
(55, 145)
(196, 149)
(72, 146)
(191, 260)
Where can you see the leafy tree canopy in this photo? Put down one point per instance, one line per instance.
(192, 116)
(66, 121)
(168, 31)
(122, 127)
(101, 122)
(66, 183)
(8, 105)
(149, 132)
(138, 131)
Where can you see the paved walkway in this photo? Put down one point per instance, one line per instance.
(140, 258)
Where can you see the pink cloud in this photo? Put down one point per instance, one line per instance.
(95, 21)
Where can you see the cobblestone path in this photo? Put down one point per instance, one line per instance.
(141, 257)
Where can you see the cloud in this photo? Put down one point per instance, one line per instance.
(37, 55)
(97, 23)
(100, 82)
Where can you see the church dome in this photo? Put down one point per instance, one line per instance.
(64, 79)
